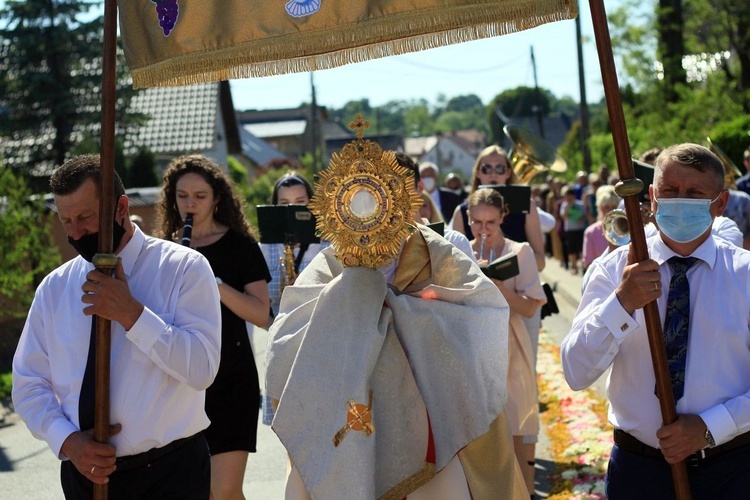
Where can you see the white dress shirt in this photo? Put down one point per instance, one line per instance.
(460, 241)
(717, 377)
(159, 369)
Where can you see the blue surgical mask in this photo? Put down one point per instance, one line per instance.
(684, 219)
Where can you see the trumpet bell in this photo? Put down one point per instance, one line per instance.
(531, 155)
(731, 172)
(615, 228)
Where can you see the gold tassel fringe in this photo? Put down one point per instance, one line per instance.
(382, 37)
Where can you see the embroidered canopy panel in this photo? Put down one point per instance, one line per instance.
(182, 42)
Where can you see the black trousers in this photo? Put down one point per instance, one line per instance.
(632, 476)
(182, 474)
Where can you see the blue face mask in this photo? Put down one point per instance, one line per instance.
(683, 219)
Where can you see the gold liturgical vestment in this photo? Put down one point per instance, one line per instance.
(381, 386)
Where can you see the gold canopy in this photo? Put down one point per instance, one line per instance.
(182, 42)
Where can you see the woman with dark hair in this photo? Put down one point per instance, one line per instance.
(493, 168)
(195, 184)
(525, 296)
(290, 189)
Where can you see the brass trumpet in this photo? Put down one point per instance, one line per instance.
(531, 156)
(615, 228)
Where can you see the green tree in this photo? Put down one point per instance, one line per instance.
(721, 28)
(417, 119)
(26, 246)
(513, 103)
(237, 172)
(470, 102)
(391, 117)
(451, 121)
(352, 109)
(259, 193)
(51, 80)
(671, 46)
(142, 169)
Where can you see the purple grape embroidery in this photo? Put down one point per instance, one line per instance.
(167, 11)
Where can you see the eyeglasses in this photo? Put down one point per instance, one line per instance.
(482, 224)
(488, 169)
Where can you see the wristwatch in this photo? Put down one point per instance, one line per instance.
(219, 281)
(710, 438)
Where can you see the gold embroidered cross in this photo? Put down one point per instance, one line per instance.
(359, 125)
(358, 418)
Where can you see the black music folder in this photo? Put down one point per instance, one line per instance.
(503, 268)
(517, 198)
(288, 224)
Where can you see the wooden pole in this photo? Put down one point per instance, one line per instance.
(105, 260)
(629, 187)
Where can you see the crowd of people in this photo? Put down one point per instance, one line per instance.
(347, 343)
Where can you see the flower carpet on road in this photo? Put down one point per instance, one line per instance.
(576, 424)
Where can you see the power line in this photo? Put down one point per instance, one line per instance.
(500, 66)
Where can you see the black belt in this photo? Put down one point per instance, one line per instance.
(147, 457)
(633, 445)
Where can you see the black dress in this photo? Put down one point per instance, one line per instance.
(233, 400)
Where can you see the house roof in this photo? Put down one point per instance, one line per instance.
(286, 128)
(417, 146)
(181, 119)
(259, 151)
(472, 135)
(462, 143)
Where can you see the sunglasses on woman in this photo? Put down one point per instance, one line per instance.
(488, 169)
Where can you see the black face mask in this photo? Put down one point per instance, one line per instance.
(88, 245)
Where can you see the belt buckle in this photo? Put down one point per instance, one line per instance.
(696, 458)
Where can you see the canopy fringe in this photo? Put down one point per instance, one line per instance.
(367, 40)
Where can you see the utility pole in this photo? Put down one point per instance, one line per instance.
(314, 125)
(584, 134)
(539, 117)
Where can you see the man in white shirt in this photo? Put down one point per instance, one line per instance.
(711, 380)
(164, 308)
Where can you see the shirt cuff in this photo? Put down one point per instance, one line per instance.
(146, 331)
(58, 433)
(616, 318)
(720, 423)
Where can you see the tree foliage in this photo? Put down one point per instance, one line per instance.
(259, 193)
(142, 169)
(50, 83)
(27, 252)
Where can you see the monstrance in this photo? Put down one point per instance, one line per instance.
(364, 202)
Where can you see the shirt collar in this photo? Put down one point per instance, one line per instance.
(706, 252)
(132, 249)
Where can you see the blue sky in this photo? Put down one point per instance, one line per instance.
(483, 67)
